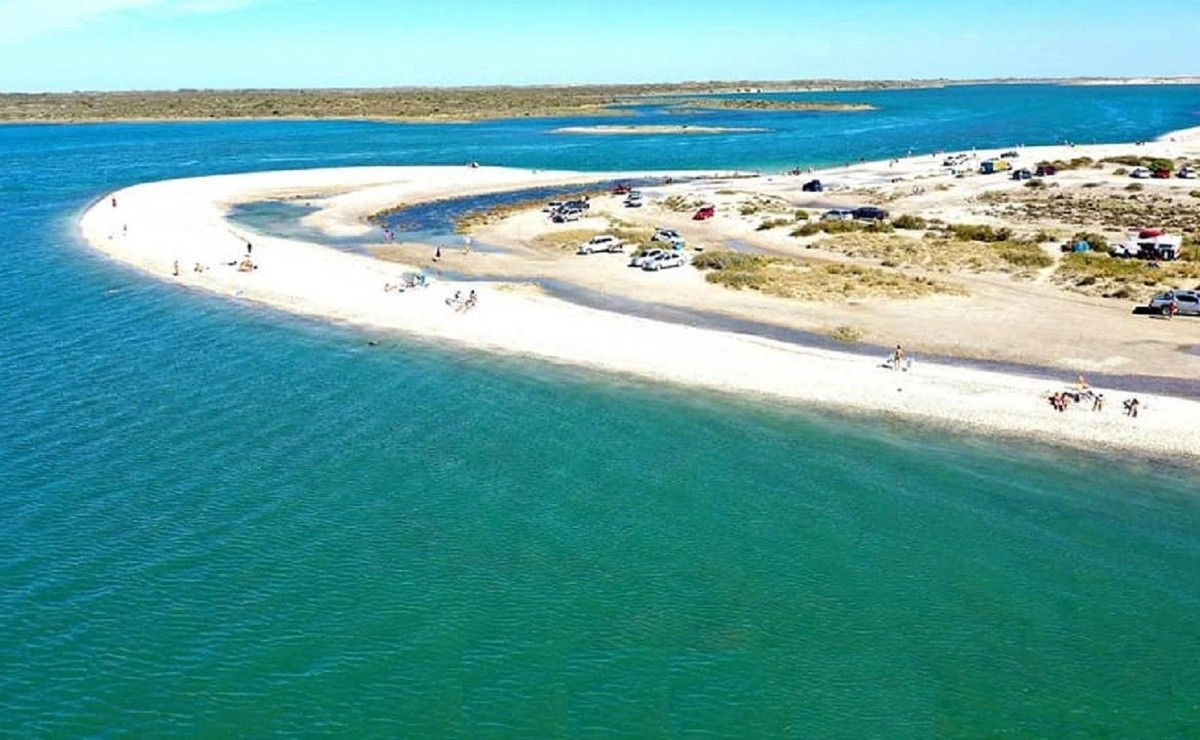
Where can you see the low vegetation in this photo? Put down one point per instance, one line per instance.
(910, 222)
(791, 278)
(1019, 258)
(635, 238)
(681, 203)
(408, 104)
(833, 226)
(848, 334)
(1077, 163)
(1099, 274)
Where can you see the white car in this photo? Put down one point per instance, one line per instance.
(640, 260)
(1188, 173)
(838, 214)
(1140, 173)
(668, 236)
(601, 243)
(552, 206)
(663, 261)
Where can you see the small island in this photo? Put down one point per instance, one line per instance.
(757, 104)
(659, 129)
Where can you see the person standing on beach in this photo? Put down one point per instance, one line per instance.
(898, 358)
(175, 272)
(249, 248)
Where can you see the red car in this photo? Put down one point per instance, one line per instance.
(1162, 175)
(705, 212)
(621, 189)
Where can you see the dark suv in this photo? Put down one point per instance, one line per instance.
(870, 213)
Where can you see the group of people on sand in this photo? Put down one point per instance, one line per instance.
(1083, 393)
(460, 304)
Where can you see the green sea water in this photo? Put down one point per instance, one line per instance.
(219, 520)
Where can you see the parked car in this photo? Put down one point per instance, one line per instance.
(954, 160)
(1187, 301)
(564, 215)
(1162, 174)
(602, 243)
(621, 189)
(640, 259)
(1188, 173)
(992, 166)
(663, 261)
(812, 186)
(581, 204)
(552, 206)
(1010, 154)
(1022, 174)
(870, 213)
(668, 236)
(633, 203)
(705, 212)
(838, 214)
(1046, 170)
(1140, 173)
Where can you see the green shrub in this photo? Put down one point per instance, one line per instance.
(1098, 242)
(1021, 254)
(728, 260)
(908, 221)
(773, 223)
(1135, 187)
(980, 233)
(1035, 184)
(1120, 171)
(835, 227)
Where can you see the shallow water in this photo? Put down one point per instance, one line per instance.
(221, 519)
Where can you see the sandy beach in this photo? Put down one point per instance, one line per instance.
(156, 226)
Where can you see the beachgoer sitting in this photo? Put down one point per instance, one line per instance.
(471, 299)
(455, 300)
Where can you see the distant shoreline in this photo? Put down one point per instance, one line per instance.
(460, 105)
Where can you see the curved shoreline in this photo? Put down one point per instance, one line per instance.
(154, 225)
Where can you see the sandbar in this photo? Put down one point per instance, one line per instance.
(164, 228)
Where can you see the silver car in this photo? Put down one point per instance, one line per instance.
(1188, 302)
(640, 260)
(663, 261)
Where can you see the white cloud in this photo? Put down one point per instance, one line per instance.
(21, 20)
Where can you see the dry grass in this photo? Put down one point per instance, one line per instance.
(681, 203)
(1111, 277)
(1107, 210)
(569, 240)
(1020, 259)
(798, 280)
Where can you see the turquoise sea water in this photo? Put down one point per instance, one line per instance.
(217, 519)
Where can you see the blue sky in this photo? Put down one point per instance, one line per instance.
(56, 45)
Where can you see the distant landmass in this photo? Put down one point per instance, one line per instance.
(464, 104)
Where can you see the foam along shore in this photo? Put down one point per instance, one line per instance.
(658, 130)
(155, 226)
